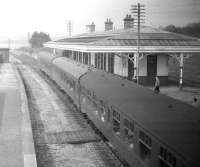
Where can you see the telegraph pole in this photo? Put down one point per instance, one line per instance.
(9, 43)
(69, 28)
(138, 15)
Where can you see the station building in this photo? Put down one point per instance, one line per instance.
(4, 55)
(115, 51)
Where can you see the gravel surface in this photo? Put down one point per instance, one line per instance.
(55, 122)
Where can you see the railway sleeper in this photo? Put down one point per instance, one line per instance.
(70, 137)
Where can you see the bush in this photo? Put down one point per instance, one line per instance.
(38, 39)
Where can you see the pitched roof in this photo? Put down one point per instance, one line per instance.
(73, 69)
(149, 37)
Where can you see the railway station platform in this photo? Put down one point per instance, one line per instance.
(186, 95)
(16, 141)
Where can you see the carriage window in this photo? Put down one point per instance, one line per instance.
(89, 93)
(84, 90)
(167, 159)
(71, 85)
(102, 111)
(94, 100)
(128, 131)
(108, 115)
(145, 147)
(83, 94)
(94, 96)
(145, 139)
(116, 122)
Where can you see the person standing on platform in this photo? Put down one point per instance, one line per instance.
(157, 85)
(196, 102)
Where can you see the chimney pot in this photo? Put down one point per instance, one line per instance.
(90, 27)
(128, 22)
(108, 24)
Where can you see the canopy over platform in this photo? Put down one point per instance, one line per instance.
(123, 43)
(125, 40)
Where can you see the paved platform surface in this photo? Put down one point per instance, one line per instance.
(14, 145)
(186, 95)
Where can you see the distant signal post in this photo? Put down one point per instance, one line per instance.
(69, 28)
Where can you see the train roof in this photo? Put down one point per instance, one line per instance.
(46, 56)
(174, 123)
(70, 67)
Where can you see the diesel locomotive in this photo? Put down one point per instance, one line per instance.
(145, 128)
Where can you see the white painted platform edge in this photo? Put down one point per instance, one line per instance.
(27, 136)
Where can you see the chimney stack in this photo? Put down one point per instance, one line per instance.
(108, 25)
(90, 27)
(128, 22)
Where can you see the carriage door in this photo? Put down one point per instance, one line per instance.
(151, 68)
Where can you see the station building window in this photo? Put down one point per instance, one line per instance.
(166, 158)
(100, 61)
(89, 59)
(116, 122)
(70, 53)
(105, 60)
(110, 62)
(128, 131)
(145, 144)
(86, 58)
(80, 57)
(75, 56)
(95, 60)
(67, 53)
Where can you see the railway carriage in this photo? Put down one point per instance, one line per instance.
(146, 129)
(45, 60)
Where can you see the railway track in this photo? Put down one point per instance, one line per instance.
(62, 136)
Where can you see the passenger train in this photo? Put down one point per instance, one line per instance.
(145, 128)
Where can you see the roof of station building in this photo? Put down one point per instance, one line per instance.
(123, 38)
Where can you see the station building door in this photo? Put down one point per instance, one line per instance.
(151, 68)
(130, 68)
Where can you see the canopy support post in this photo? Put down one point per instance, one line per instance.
(181, 72)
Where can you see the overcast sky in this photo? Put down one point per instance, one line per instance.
(18, 17)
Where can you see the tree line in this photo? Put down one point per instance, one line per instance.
(38, 39)
(192, 29)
